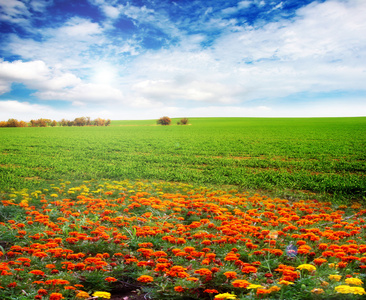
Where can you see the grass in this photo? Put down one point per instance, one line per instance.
(320, 158)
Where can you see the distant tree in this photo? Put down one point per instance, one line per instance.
(164, 121)
(63, 122)
(99, 122)
(43, 122)
(13, 123)
(53, 123)
(23, 124)
(107, 122)
(80, 121)
(184, 121)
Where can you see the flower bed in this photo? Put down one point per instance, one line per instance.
(175, 240)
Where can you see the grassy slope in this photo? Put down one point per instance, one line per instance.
(284, 156)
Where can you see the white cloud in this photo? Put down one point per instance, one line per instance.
(13, 11)
(26, 111)
(76, 28)
(40, 5)
(84, 93)
(244, 4)
(36, 75)
(23, 71)
(111, 11)
(74, 44)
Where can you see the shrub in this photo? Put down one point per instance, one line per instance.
(164, 121)
(184, 121)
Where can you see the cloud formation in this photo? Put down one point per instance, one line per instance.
(246, 57)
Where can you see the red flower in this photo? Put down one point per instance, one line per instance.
(56, 296)
(111, 279)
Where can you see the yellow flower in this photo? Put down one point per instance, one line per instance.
(317, 291)
(358, 291)
(225, 296)
(254, 286)
(346, 289)
(354, 281)
(335, 277)
(285, 282)
(105, 295)
(308, 267)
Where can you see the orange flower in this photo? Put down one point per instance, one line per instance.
(145, 278)
(42, 292)
(319, 261)
(56, 296)
(230, 275)
(82, 295)
(111, 279)
(240, 283)
(179, 289)
(211, 291)
(249, 269)
(36, 272)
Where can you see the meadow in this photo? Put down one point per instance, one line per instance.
(321, 156)
(223, 208)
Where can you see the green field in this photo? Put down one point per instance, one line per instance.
(322, 158)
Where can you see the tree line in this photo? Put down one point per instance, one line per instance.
(81, 121)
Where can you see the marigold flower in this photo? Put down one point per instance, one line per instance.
(226, 296)
(308, 267)
(354, 281)
(285, 282)
(317, 291)
(111, 279)
(274, 288)
(210, 291)
(230, 275)
(346, 289)
(319, 261)
(36, 272)
(179, 289)
(42, 292)
(145, 278)
(105, 295)
(254, 286)
(240, 283)
(82, 295)
(56, 296)
(249, 269)
(335, 277)
(192, 279)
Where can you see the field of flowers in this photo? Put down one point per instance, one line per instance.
(177, 241)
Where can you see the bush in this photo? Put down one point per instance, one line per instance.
(164, 121)
(184, 121)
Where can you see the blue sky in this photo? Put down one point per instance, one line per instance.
(144, 59)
